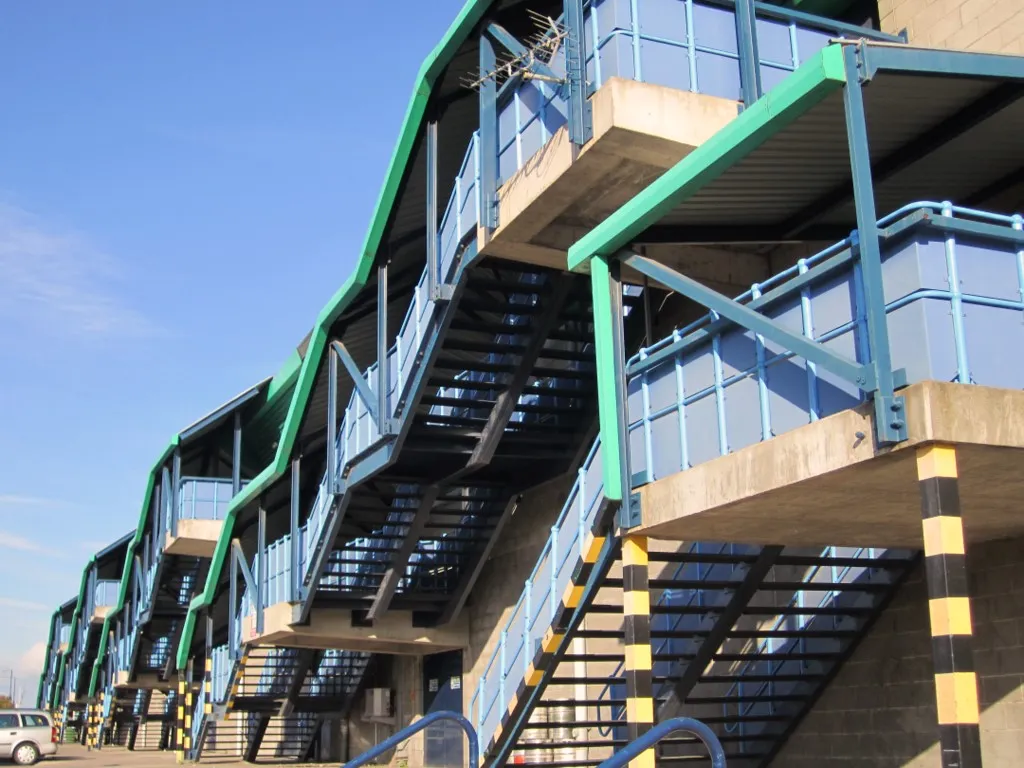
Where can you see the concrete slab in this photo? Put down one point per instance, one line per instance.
(640, 131)
(828, 484)
(196, 538)
(333, 628)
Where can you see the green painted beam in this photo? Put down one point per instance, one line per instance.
(431, 70)
(791, 98)
(611, 448)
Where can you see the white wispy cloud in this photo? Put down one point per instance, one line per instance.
(18, 543)
(22, 605)
(58, 281)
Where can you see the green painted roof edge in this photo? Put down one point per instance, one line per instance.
(278, 385)
(801, 90)
(46, 657)
(472, 12)
(74, 623)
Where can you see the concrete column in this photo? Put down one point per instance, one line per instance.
(949, 608)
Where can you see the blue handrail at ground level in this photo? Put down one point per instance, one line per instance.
(659, 732)
(426, 722)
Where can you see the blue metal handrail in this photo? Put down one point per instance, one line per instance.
(426, 722)
(659, 732)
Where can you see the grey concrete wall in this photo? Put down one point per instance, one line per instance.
(880, 709)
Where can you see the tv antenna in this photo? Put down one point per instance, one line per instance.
(540, 49)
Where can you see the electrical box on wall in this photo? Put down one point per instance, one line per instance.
(378, 703)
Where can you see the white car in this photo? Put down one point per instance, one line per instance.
(26, 735)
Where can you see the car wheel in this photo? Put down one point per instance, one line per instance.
(26, 754)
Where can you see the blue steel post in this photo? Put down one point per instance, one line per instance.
(175, 490)
(232, 604)
(581, 125)
(746, 42)
(295, 572)
(332, 419)
(261, 567)
(432, 250)
(488, 135)
(621, 415)
(236, 456)
(890, 416)
(383, 419)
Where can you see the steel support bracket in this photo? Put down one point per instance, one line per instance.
(362, 386)
(631, 512)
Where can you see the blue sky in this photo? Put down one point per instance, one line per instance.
(182, 187)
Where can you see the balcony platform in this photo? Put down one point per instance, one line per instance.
(196, 538)
(393, 633)
(99, 614)
(143, 681)
(640, 131)
(822, 484)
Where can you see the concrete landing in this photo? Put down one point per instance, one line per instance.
(828, 484)
(196, 538)
(640, 131)
(333, 628)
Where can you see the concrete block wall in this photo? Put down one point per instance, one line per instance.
(991, 26)
(880, 709)
(501, 582)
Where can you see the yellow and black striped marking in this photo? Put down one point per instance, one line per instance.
(956, 684)
(208, 687)
(179, 720)
(636, 614)
(554, 637)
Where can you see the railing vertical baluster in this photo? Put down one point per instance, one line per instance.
(1018, 224)
(645, 395)
(716, 353)
(762, 375)
(691, 47)
(503, 661)
(963, 368)
(634, 32)
(807, 324)
(527, 615)
(553, 592)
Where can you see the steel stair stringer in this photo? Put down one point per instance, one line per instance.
(381, 457)
(597, 555)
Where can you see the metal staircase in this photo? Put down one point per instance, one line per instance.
(743, 638)
(272, 701)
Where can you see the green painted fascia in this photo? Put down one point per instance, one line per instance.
(46, 658)
(126, 571)
(74, 622)
(432, 68)
(284, 378)
(800, 91)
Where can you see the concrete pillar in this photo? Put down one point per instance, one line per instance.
(636, 612)
(949, 608)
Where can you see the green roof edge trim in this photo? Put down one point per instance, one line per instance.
(472, 12)
(278, 386)
(74, 624)
(46, 657)
(800, 91)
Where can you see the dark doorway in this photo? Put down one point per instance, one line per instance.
(442, 691)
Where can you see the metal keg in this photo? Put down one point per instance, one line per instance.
(563, 736)
(536, 739)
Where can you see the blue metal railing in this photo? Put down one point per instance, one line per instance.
(540, 598)
(204, 498)
(419, 725)
(636, 747)
(677, 387)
